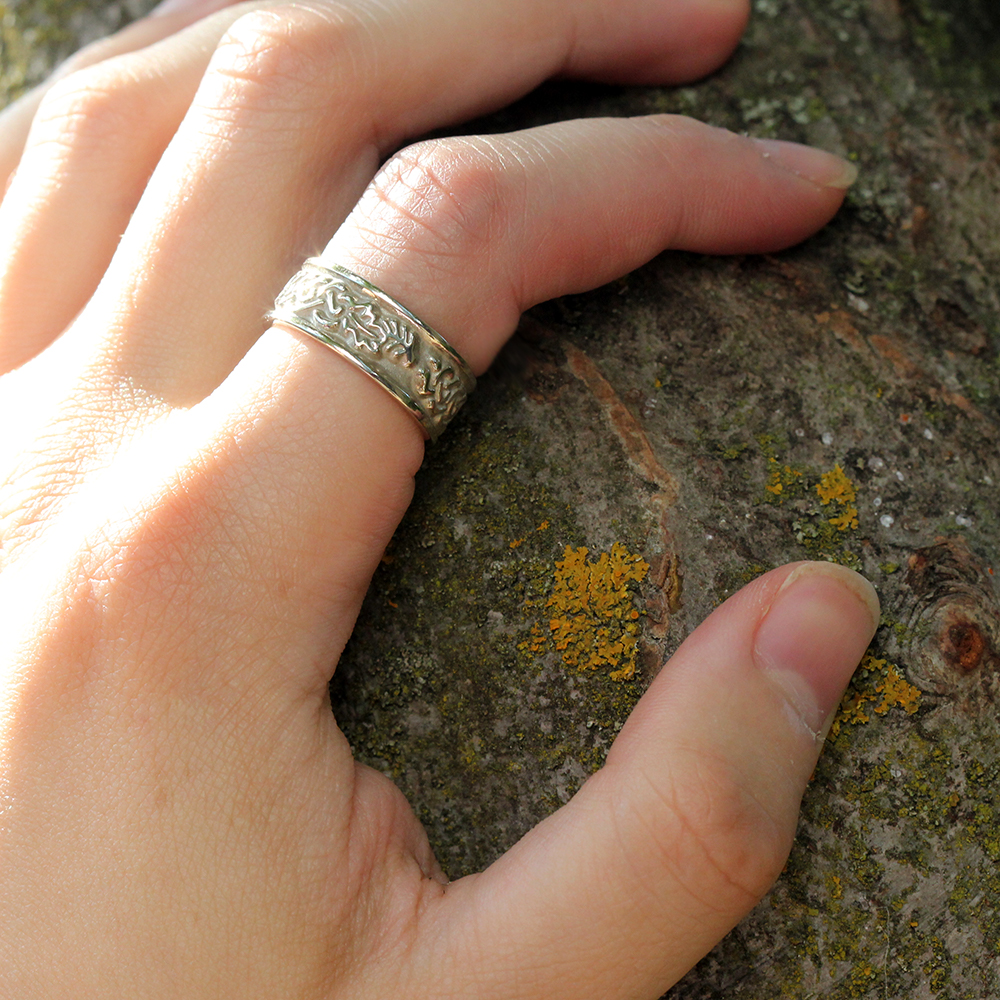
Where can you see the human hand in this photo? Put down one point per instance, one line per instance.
(179, 814)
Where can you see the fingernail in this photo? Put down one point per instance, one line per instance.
(814, 635)
(815, 165)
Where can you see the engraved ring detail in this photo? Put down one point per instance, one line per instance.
(379, 335)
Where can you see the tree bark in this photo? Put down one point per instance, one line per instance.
(693, 425)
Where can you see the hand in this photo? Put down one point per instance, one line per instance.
(192, 507)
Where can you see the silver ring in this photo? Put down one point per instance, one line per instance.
(379, 335)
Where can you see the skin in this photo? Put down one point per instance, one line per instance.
(179, 813)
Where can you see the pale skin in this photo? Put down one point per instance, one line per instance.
(179, 814)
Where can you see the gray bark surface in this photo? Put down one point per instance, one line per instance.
(697, 423)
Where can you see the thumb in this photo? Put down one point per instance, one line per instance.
(663, 851)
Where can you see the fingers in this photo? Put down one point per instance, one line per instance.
(466, 233)
(93, 145)
(623, 890)
(267, 164)
(16, 119)
(705, 38)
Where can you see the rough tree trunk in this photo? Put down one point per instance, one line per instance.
(692, 425)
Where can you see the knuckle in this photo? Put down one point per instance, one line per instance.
(709, 833)
(89, 108)
(442, 200)
(284, 59)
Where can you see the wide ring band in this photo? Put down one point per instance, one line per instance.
(379, 335)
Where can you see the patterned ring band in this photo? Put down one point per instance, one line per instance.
(383, 338)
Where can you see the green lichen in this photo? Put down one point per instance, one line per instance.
(783, 481)
(827, 516)
(959, 41)
(733, 451)
(869, 909)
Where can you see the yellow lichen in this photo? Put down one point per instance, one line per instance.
(894, 689)
(878, 686)
(834, 487)
(852, 710)
(780, 477)
(774, 483)
(834, 886)
(593, 622)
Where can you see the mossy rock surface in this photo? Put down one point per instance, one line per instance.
(693, 425)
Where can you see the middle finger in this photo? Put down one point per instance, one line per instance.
(287, 127)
